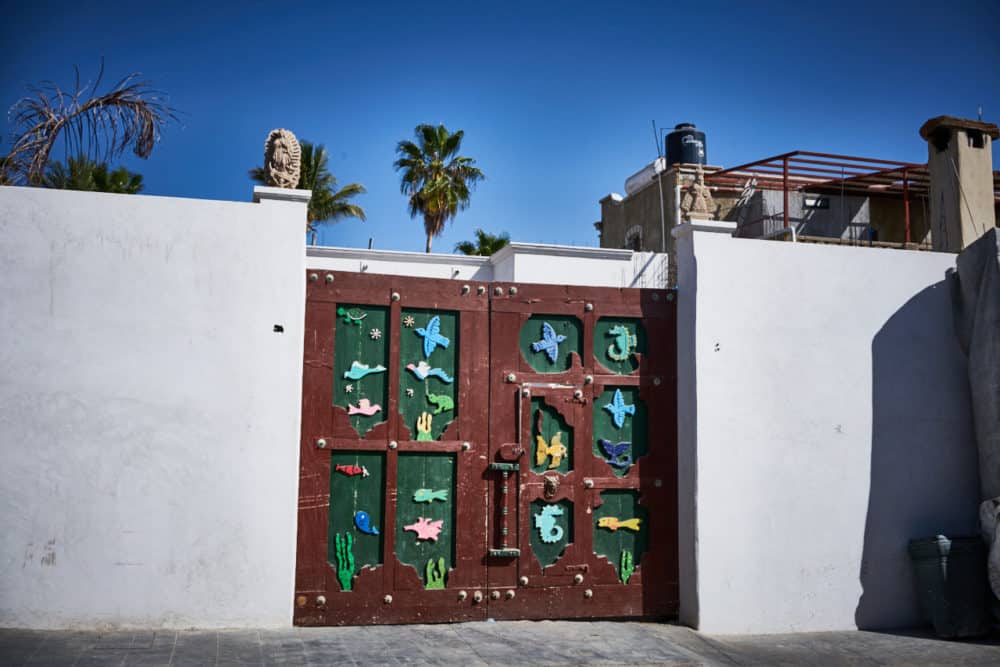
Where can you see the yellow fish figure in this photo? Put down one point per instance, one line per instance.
(554, 448)
(613, 523)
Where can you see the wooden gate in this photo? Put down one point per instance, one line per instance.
(480, 450)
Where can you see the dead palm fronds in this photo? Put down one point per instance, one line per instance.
(99, 127)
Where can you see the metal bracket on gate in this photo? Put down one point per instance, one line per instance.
(506, 468)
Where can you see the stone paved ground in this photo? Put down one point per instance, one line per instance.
(509, 643)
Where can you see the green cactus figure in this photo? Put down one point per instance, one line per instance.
(435, 574)
(627, 567)
(345, 559)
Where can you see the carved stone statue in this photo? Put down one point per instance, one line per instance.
(697, 202)
(282, 158)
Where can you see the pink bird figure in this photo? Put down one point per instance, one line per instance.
(364, 407)
(425, 528)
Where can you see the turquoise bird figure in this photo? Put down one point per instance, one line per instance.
(618, 409)
(432, 336)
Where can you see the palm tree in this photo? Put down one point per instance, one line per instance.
(82, 173)
(99, 127)
(327, 204)
(486, 244)
(436, 178)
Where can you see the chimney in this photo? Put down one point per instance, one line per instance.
(960, 163)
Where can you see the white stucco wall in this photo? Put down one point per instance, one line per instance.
(518, 262)
(148, 411)
(824, 421)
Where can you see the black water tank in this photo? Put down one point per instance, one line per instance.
(686, 144)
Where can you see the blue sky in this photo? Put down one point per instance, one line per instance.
(555, 98)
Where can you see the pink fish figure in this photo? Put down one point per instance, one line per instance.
(425, 528)
(364, 407)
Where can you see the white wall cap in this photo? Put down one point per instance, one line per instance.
(560, 251)
(394, 256)
(717, 226)
(268, 193)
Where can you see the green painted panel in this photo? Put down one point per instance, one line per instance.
(434, 473)
(357, 341)
(547, 422)
(633, 429)
(417, 396)
(562, 325)
(552, 525)
(622, 505)
(619, 337)
(350, 494)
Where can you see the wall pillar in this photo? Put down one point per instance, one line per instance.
(960, 162)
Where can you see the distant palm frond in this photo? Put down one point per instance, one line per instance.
(101, 127)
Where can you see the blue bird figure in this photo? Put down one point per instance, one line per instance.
(549, 342)
(432, 336)
(618, 409)
(615, 452)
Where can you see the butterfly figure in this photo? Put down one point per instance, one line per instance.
(549, 342)
(615, 452)
(618, 409)
(432, 336)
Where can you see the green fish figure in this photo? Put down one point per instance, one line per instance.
(427, 496)
(441, 402)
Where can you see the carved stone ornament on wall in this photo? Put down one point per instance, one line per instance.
(697, 201)
(282, 159)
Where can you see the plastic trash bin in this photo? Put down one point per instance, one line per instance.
(952, 585)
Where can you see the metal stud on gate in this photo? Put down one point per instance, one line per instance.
(321, 443)
(393, 444)
(497, 291)
(578, 394)
(481, 290)
(300, 601)
(462, 595)
(511, 377)
(656, 382)
(523, 581)
(477, 596)
(588, 306)
(466, 446)
(510, 594)
(670, 296)
(588, 379)
(512, 291)
(395, 296)
(466, 289)
(387, 599)
(320, 600)
(313, 277)
(329, 278)
(588, 483)
(495, 595)
(588, 594)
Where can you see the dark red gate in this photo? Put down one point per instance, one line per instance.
(472, 450)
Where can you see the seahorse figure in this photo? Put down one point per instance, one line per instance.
(545, 522)
(623, 344)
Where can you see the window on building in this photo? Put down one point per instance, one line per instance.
(633, 238)
(817, 202)
(976, 139)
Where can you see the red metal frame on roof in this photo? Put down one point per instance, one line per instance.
(825, 172)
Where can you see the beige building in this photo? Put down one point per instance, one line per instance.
(826, 198)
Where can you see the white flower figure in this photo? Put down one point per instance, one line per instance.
(409, 392)
(375, 334)
(408, 321)
(348, 388)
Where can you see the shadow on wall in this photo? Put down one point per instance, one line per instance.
(924, 476)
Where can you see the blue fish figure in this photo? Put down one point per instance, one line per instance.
(364, 523)
(615, 452)
(549, 342)
(618, 409)
(432, 336)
